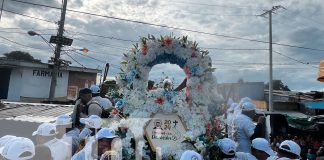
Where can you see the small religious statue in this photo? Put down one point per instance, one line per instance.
(167, 84)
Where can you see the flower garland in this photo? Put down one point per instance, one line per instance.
(192, 106)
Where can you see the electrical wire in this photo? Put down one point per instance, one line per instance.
(44, 20)
(66, 53)
(305, 63)
(170, 27)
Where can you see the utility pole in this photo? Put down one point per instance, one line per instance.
(269, 12)
(57, 61)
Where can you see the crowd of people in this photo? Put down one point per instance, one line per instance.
(82, 136)
(311, 147)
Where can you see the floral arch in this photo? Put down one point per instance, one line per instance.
(191, 105)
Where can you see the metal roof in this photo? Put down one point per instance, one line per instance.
(7, 63)
(33, 112)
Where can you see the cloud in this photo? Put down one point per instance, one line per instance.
(300, 24)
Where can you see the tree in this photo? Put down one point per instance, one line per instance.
(278, 85)
(20, 55)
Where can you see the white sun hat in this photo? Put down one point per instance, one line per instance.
(248, 106)
(190, 155)
(95, 89)
(227, 146)
(106, 133)
(93, 121)
(63, 120)
(19, 148)
(290, 146)
(45, 129)
(262, 145)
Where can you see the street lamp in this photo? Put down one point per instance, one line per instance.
(55, 67)
(33, 33)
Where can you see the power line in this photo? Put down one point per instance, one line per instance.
(170, 27)
(299, 61)
(107, 37)
(104, 44)
(20, 43)
(75, 60)
(214, 5)
(237, 49)
(44, 20)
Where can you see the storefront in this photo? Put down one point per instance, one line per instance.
(30, 82)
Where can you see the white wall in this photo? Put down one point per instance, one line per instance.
(15, 85)
(35, 83)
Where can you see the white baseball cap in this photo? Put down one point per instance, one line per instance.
(262, 145)
(106, 133)
(190, 155)
(290, 146)
(232, 107)
(95, 89)
(63, 120)
(93, 121)
(5, 139)
(19, 148)
(227, 146)
(245, 99)
(248, 106)
(45, 129)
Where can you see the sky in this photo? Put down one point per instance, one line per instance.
(299, 23)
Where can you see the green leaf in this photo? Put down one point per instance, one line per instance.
(124, 62)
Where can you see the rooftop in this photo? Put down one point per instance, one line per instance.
(7, 63)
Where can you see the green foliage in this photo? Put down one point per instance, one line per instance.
(20, 55)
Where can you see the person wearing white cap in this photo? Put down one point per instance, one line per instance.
(5, 139)
(66, 132)
(46, 134)
(229, 119)
(288, 149)
(19, 148)
(190, 155)
(42, 152)
(92, 125)
(104, 102)
(226, 148)
(84, 107)
(260, 148)
(103, 142)
(244, 128)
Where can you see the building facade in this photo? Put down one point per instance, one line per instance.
(30, 82)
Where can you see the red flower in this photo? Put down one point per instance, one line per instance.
(159, 100)
(144, 49)
(193, 54)
(209, 126)
(187, 71)
(115, 112)
(168, 41)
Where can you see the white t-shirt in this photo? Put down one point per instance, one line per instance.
(244, 156)
(229, 122)
(243, 128)
(60, 150)
(104, 102)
